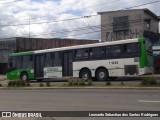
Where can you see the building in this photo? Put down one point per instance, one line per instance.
(19, 44)
(128, 24)
(125, 24)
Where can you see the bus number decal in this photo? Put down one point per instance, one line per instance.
(113, 62)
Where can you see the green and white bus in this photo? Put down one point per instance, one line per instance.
(131, 57)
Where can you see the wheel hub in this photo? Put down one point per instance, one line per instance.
(101, 74)
(85, 76)
(24, 77)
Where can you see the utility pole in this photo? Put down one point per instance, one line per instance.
(29, 18)
(29, 28)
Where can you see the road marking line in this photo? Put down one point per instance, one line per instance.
(148, 101)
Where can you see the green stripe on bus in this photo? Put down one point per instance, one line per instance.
(21, 53)
(142, 60)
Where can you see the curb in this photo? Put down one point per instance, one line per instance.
(111, 88)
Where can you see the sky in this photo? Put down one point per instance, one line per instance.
(60, 18)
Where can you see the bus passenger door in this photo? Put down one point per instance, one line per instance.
(67, 65)
(39, 65)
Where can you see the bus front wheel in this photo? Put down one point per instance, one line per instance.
(85, 74)
(102, 74)
(24, 76)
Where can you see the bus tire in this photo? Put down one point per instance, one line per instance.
(102, 74)
(85, 74)
(24, 76)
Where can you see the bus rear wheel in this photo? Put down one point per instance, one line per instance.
(24, 76)
(85, 74)
(102, 74)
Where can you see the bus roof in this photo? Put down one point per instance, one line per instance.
(77, 47)
(87, 45)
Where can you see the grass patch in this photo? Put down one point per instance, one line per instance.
(48, 84)
(41, 85)
(149, 81)
(108, 83)
(89, 83)
(122, 84)
(16, 83)
(28, 84)
(79, 82)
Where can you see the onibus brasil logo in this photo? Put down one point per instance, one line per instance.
(21, 114)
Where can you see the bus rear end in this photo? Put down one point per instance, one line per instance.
(146, 58)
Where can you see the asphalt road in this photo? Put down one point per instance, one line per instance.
(80, 100)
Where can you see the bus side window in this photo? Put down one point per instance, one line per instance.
(97, 52)
(27, 61)
(48, 59)
(19, 62)
(138, 50)
(125, 51)
(125, 48)
(57, 59)
(131, 50)
(78, 53)
(81, 53)
(108, 56)
(31, 57)
(115, 51)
